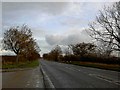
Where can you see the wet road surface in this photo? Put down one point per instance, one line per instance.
(72, 76)
(23, 79)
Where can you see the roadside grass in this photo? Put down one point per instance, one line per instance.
(115, 67)
(28, 64)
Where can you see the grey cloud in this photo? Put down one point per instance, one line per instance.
(38, 33)
(60, 0)
(75, 38)
(0, 43)
(44, 46)
(1, 19)
(53, 39)
(32, 13)
(68, 39)
(71, 39)
(46, 7)
(72, 21)
(82, 11)
(4, 52)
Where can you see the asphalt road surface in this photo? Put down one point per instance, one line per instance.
(72, 76)
(23, 79)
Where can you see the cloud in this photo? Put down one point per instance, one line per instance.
(72, 37)
(80, 14)
(36, 7)
(53, 39)
(4, 52)
(38, 32)
(52, 23)
(0, 19)
(60, 0)
(35, 14)
(73, 8)
(44, 46)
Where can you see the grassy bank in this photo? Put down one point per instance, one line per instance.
(30, 64)
(114, 67)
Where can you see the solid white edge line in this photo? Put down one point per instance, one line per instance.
(48, 79)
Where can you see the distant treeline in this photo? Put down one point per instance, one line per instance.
(94, 59)
(84, 52)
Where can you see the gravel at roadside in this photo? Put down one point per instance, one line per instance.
(23, 78)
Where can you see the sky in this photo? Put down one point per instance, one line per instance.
(52, 23)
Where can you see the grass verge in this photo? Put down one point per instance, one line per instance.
(114, 67)
(30, 64)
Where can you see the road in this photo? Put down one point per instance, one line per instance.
(72, 76)
(23, 79)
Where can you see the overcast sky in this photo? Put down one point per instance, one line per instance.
(52, 23)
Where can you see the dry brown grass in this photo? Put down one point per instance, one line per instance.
(115, 67)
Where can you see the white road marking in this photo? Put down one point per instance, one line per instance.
(28, 84)
(74, 69)
(85, 72)
(105, 78)
(38, 82)
(37, 85)
(47, 78)
(108, 79)
(91, 74)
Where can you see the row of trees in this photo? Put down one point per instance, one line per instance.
(55, 54)
(80, 49)
(20, 40)
(79, 52)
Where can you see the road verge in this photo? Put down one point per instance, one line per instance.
(15, 69)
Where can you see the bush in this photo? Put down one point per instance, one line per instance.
(106, 60)
(12, 59)
(71, 58)
(91, 58)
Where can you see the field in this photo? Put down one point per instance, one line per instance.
(115, 67)
(9, 62)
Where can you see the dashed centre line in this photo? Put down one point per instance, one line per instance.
(98, 76)
(74, 69)
(105, 79)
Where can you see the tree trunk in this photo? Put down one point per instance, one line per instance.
(17, 58)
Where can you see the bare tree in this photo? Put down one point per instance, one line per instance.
(103, 49)
(68, 51)
(106, 28)
(20, 41)
(56, 52)
(82, 48)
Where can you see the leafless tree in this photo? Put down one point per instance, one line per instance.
(68, 51)
(106, 28)
(56, 52)
(82, 48)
